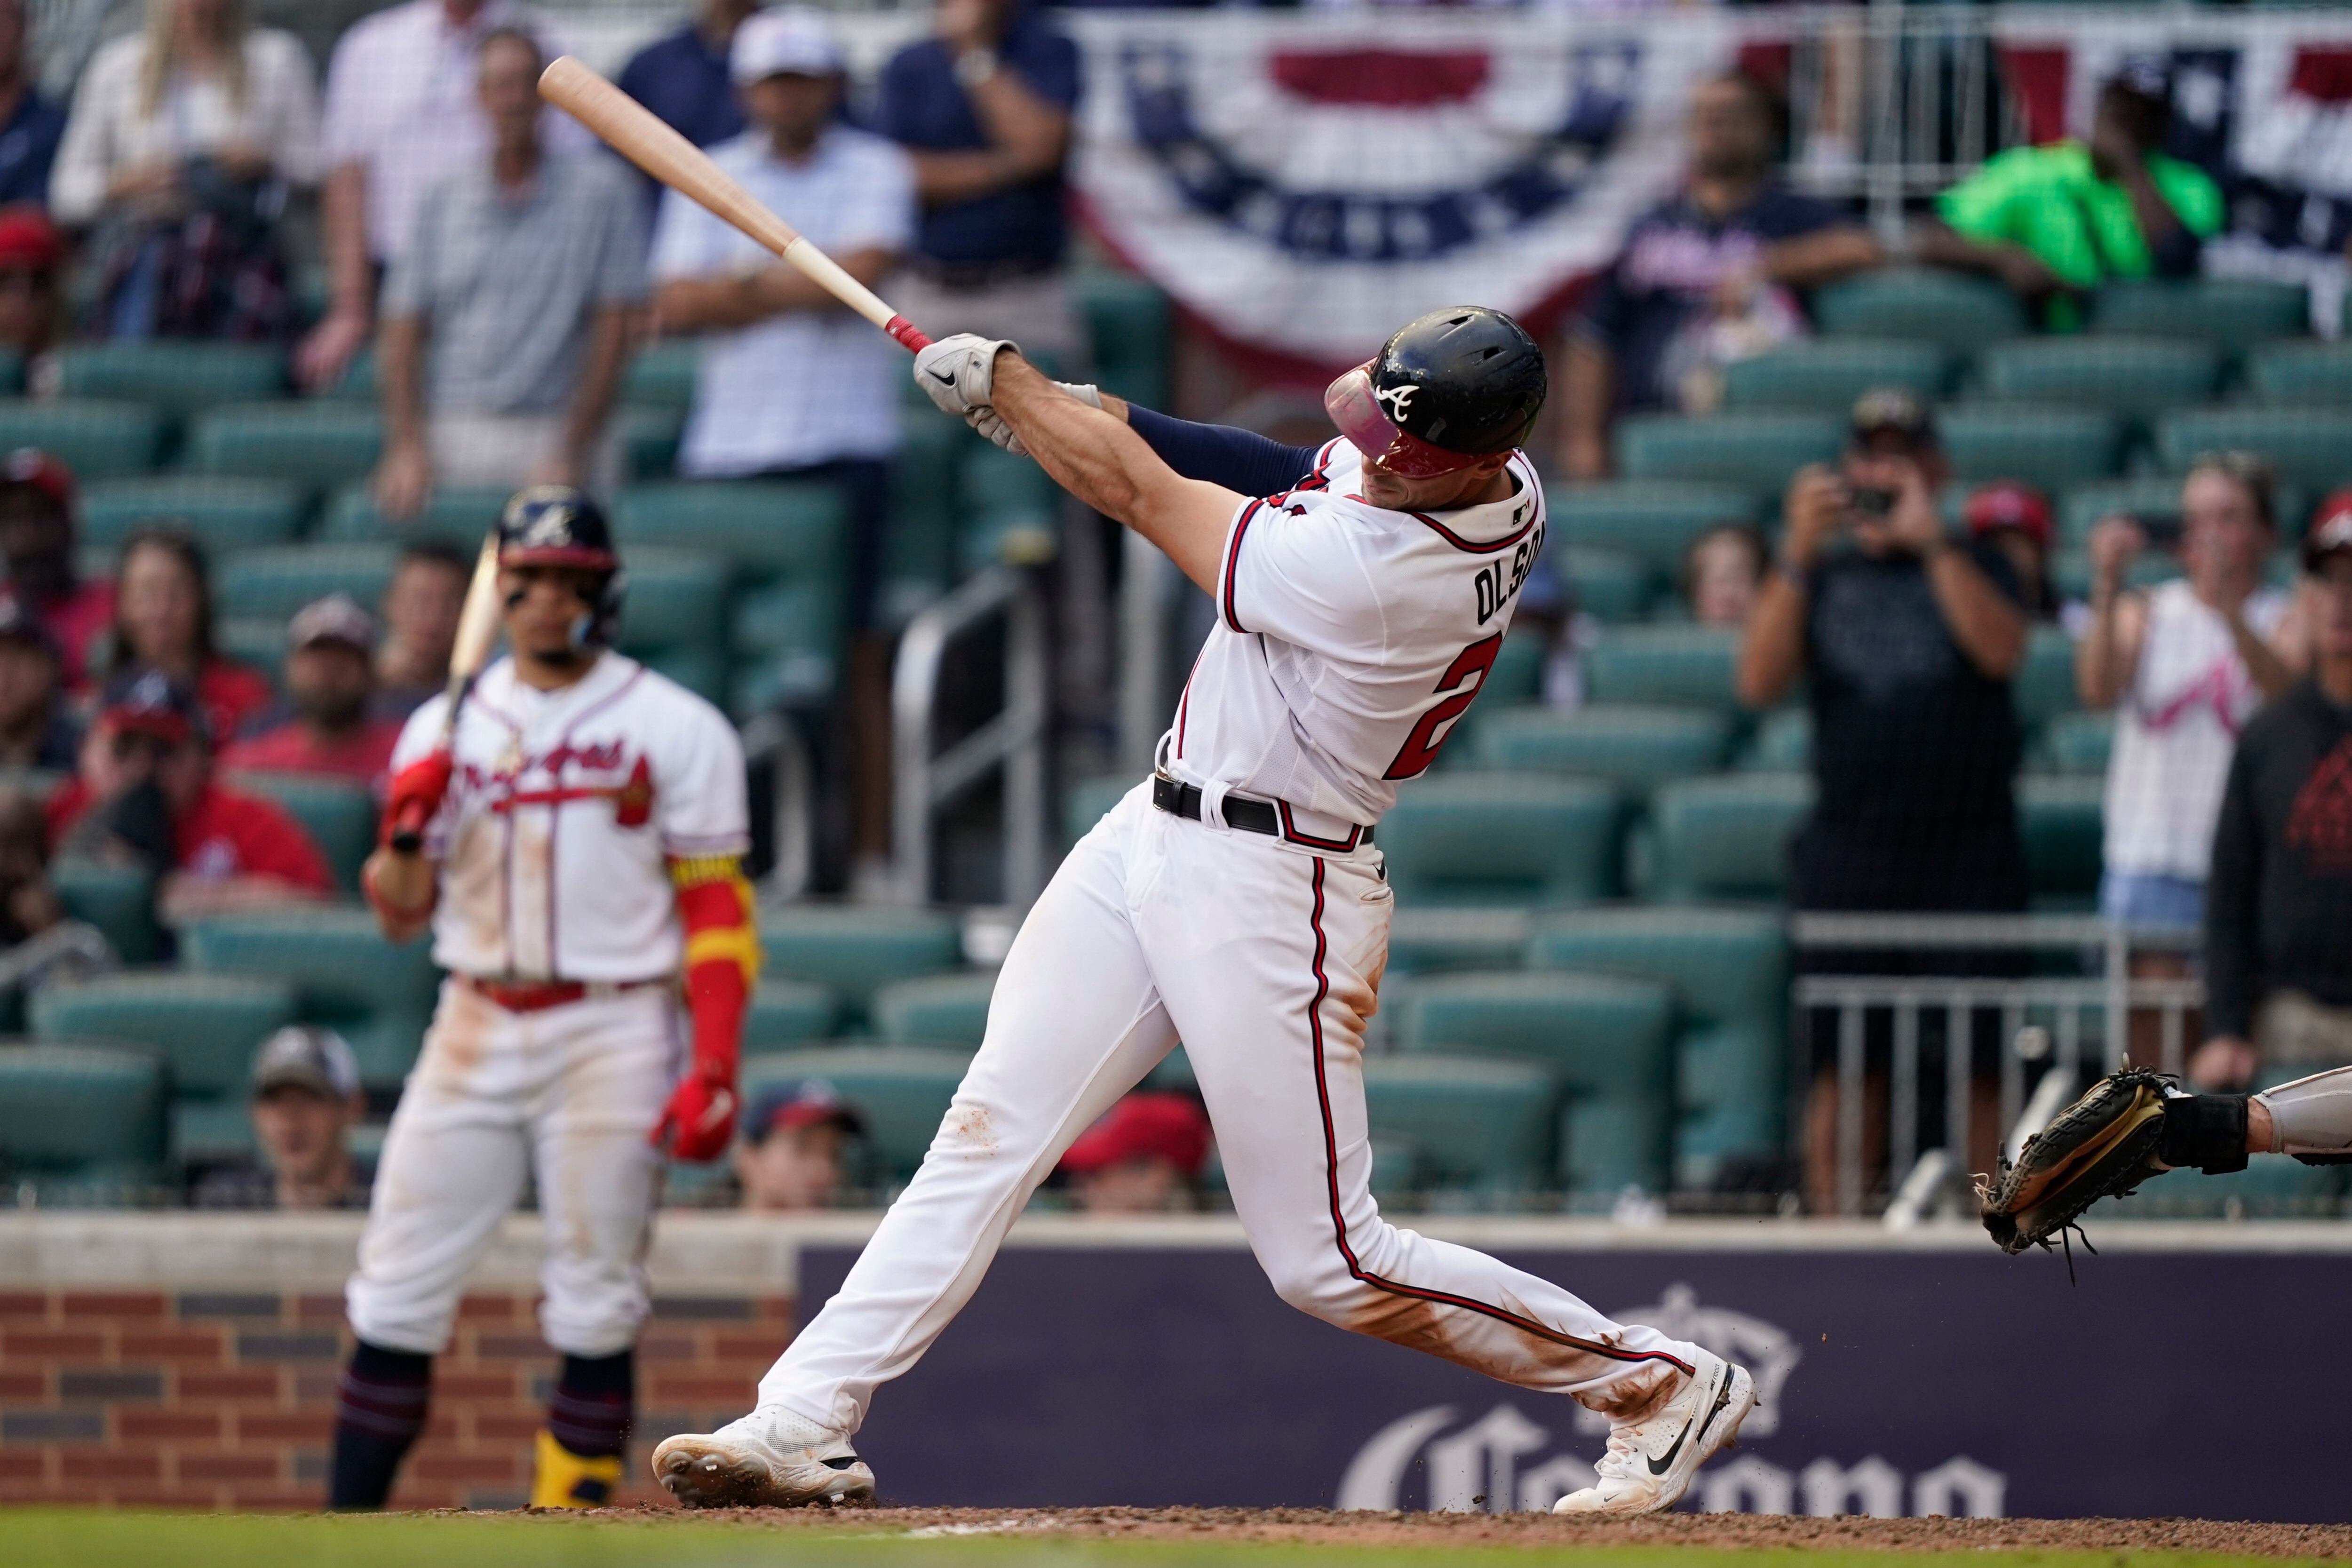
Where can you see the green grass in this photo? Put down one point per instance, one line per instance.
(91, 1539)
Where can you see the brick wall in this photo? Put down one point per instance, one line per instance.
(215, 1399)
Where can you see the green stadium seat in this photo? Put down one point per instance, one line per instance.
(701, 669)
(1725, 838)
(676, 598)
(918, 561)
(225, 512)
(903, 1090)
(1126, 318)
(1609, 584)
(1604, 1038)
(1758, 452)
(1088, 802)
(1960, 314)
(2078, 743)
(2061, 819)
(345, 975)
(2301, 374)
(661, 374)
(2138, 377)
(1498, 838)
(2049, 446)
(458, 514)
(318, 443)
(2043, 687)
(649, 440)
(1010, 512)
(2231, 313)
(81, 1110)
(2151, 499)
(1479, 1124)
(278, 580)
(12, 371)
(1516, 679)
(1436, 942)
(98, 440)
(1783, 743)
(2265, 1189)
(786, 1013)
(179, 377)
(2310, 446)
(206, 1027)
(1830, 372)
(1635, 746)
(339, 817)
(259, 641)
(858, 949)
(1692, 666)
(936, 1010)
(358, 383)
(1652, 521)
(769, 529)
(1729, 971)
(118, 900)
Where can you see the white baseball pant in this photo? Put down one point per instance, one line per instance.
(1264, 958)
(571, 1093)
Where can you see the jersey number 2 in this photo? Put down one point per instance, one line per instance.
(1464, 678)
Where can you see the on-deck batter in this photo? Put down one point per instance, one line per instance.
(1236, 900)
(583, 852)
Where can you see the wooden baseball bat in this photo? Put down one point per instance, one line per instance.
(477, 628)
(636, 133)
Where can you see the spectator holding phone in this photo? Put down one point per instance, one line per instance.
(2184, 665)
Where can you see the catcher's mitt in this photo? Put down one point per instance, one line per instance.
(2105, 1143)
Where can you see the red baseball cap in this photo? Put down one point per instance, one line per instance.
(28, 239)
(1170, 1127)
(2006, 503)
(2331, 530)
(47, 474)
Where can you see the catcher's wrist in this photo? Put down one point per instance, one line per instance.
(2206, 1131)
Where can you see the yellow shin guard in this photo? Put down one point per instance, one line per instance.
(562, 1478)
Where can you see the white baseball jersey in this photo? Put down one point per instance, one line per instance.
(563, 807)
(1348, 639)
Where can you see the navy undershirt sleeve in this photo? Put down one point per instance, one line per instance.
(1238, 459)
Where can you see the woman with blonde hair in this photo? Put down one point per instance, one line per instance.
(181, 147)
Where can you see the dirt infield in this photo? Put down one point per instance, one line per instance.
(1719, 1530)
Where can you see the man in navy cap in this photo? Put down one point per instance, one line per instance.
(793, 1141)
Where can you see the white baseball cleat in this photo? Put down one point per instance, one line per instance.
(770, 1459)
(1649, 1463)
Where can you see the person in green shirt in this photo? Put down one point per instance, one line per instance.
(2057, 221)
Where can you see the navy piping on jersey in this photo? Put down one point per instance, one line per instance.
(1356, 1270)
(1337, 846)
(1232, 564)
(1535, 508)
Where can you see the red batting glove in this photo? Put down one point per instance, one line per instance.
(698, 1122)
(414, 794)
(699, 1119)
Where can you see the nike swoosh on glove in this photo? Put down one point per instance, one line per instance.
(988, 422)
(957, 372)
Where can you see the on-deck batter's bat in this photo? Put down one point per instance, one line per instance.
(636, 133)
(477, 628)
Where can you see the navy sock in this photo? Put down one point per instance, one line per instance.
(381, 1402)
(593, 1403)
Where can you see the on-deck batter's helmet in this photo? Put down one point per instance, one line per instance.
(559, 525)
(1448, 389)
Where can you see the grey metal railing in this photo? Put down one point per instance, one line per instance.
(924, 783)
(2076, 1024)
(771, 739)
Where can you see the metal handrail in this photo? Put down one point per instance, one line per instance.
(770, 736)
(923, 783)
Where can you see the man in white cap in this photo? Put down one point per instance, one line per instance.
(790, 384)
(306, 1100)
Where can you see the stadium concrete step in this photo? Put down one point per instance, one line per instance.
(2050, 446)
(1958, 313)
(1480, 1124)
(1636, 746)
(1490, 838)
(1725, 837)
(2132, 376)
(345, 975)
(856, 949)
(1692, 666)
(949, 1010)
(2233, 315)
(1653, 521)
(788, 1012)
(97, 439)
(903, 1090)
(224, 512)
(1828, 373)
(339, 817)
(318, 443)
(2308, 446)
(82, 1112)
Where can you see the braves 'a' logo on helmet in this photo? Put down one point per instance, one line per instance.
(1398, 400)
(549, 529)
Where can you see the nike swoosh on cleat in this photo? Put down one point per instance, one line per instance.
(1660, 1467)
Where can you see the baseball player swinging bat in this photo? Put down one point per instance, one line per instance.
(477, 628)
(636, 133)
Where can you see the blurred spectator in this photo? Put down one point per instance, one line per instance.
(1143, 1156)
(32, 255)
(306, 1100)
(163, 621)
(682, 76)
(2185, 663)
(30, 125)
(183, 141)
(146, 795)
(38, 542)
(1711, 276)
(329, 686)
(34, 729)
(420, 626)
(1907, 642)
(526, 360)
(1721, 572)
(2014, 519)
(791, 1154)
(402, 111)
(2278, 966)
(28, 903)
(2055, 221)
(984, 108)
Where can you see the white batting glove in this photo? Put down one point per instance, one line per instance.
(957, 372)
(988, 422)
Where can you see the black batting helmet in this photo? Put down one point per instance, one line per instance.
(559, 525)
(1448, 389)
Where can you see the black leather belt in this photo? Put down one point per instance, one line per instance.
(1242, 814)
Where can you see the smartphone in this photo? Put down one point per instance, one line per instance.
(2161, 528)
(1870, 504)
